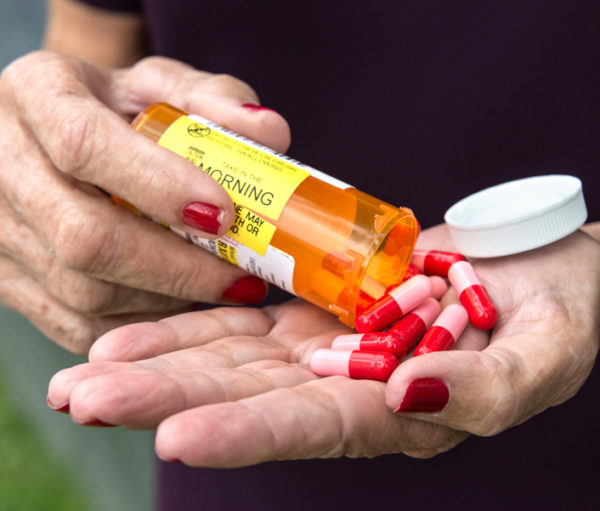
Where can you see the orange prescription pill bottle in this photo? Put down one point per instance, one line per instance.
(308, 233)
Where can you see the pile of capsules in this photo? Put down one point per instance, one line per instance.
(411, 312)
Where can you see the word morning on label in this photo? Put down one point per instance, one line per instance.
(236, 185)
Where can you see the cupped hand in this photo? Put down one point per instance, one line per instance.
(73, 262)
(232, 387)
(539, 354)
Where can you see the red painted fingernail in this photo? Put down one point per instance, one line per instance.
(174, 460)
(200, 215)
(97, 423)
(424, 395)
(256, 108)
(246, 290)
(62, 409)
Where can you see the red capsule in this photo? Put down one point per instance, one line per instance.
(412, 326)
(389, 342)
(393, 305)
(330, 286)
(337, 263)
(445, 330)
(435, 262)
(473, 295)
(360, 365)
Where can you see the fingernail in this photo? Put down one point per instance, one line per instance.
(62, 408)
(246, 290)
(174, 460)
(96, 423)
(424, 395)
(256, 108)
(200, 215)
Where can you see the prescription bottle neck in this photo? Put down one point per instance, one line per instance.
(154, 120)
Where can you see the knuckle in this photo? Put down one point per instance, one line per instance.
(95, 303)
(22, 195)
(74, 145)
(157, 69)
(181, 285)
(79, 341)
(21, 69)
(54, 74)
(64, 76)
(505, 406)
(74, 334)
(86, 295)
(82, 242)
(183, 278)
(55, 85)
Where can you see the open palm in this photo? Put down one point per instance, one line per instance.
(253, 365)
(231, 386)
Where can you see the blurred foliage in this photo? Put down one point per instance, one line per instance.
(31, 478)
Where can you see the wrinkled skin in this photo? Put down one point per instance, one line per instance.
(72, 261)
(231, 387)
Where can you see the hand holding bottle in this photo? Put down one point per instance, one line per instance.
(72, 261)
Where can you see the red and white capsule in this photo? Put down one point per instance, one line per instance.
(360, 365)
(445, 331)
(435, 262)
(412, 326)
(395, 304)
(389, 342)
(473, 295)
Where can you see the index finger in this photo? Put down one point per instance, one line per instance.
(88, 141)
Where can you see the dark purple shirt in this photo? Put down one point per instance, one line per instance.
(420, 104)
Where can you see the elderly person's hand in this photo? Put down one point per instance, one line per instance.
(539, 354)
(253, 365)
(71, 260)
(240, 382)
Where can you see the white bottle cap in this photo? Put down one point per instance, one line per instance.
(517, 216)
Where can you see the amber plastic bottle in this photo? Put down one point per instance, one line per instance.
(347, 247)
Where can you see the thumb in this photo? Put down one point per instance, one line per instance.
(219, 97)
(465, 390)
(486, 392)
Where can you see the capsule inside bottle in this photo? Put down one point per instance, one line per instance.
(347, 247)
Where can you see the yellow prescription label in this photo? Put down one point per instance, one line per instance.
(254, 176)
(251, 230)
(227, 252)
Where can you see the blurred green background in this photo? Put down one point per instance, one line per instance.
(47, 462)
